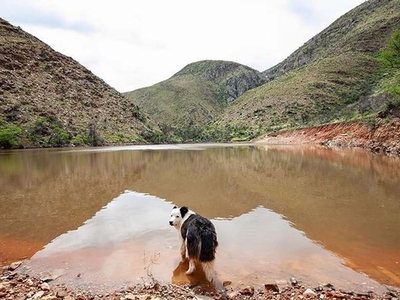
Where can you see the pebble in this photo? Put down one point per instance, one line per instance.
(29, 282)
(129, 297)
(247, 291)
(62, 294)
(309, 293)
(233, 295)
(293, 281)
(49, 297)
(45, 286)
(37, 295)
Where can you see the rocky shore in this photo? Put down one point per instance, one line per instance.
(382, 137)
(16, 285)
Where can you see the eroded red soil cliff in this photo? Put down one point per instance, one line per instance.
(383, 137)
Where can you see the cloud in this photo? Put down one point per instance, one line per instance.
(23, 12)
(314, 12)
(132, 44)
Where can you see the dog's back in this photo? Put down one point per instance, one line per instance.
(201, 238)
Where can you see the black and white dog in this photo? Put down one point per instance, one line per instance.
(198, 239)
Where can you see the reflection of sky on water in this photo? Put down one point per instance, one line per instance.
(255, 248)
(126, 217)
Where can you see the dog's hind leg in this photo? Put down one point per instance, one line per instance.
(192, 266)
(208, 268)
(183, 250)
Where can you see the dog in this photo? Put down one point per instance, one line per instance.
(198, 239)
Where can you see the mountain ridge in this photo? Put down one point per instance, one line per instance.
(308, 51)
(49, 99)
(197, 93)
(340, 81)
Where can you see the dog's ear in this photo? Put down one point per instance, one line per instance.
(183, 211)
(175, 207)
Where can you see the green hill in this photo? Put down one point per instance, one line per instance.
(48, 99)
(333, 77)
(197, 94)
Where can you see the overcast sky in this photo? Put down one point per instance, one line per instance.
(137, 43)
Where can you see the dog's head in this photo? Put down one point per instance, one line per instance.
(177, 215)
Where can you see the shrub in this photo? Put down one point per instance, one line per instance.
(10, 136)
(79, 140)
(59, 137)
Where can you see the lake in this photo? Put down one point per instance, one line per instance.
(98, 217)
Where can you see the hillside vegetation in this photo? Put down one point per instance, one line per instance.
(196, 95)
(48, 99)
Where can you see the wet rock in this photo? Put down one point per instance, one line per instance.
(50, 276)
(319, 288)
(14, 265)
(293, 281)
(329, 287)
(273, 287)
(226, 283)
(247, 291)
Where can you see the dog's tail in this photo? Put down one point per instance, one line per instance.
(208, 245)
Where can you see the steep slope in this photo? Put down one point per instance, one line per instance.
(333, 77)
(47, 98)
(196, 94)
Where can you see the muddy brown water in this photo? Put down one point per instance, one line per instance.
(98, 218)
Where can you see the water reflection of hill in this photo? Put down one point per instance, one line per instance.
(346, 200)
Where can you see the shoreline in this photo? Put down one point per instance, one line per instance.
(16, 285)
(381, 138)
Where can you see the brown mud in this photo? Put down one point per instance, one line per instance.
(381, 137)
